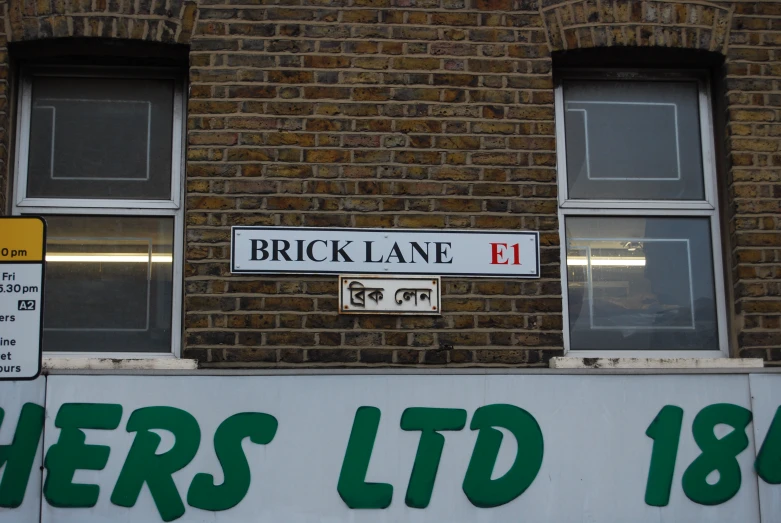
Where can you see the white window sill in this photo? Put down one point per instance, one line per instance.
(94, 363)
(569, 362)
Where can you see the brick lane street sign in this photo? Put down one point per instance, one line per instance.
(446, 252)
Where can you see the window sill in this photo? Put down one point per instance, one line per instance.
(95, 363)
(655, 363)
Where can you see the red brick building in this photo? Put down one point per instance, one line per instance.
(393, 114)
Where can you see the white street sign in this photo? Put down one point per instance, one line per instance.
(22, 245)
(303, 250)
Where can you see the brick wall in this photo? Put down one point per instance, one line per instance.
(420, 113)
(375, 114)
(5, 123)
(754, 121)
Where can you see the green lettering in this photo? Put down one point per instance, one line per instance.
(665, 430)
(18, 457)
(424, 471)
(143, 465)
(203, 492)
(70, 453)
(719, 454)
(352, 486)
(768, 463)
(478, 486)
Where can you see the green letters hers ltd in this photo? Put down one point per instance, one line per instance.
(143, 465)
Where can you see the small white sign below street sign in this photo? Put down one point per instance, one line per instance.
(389, 295)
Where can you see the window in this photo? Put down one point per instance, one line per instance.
(641, 255)
(99, 156)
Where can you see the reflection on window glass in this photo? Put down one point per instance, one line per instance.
(100, 138)
(634, 140)
(640, 283)
(108, 284)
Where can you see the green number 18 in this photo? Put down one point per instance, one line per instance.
(717, 454)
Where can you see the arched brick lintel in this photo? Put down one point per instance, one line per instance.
(580, 24)
(153, 22)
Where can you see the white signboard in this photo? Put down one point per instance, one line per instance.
(21, 449)
(389, 295)
(418, 448)
(766, 406)
(256, 250)
(22, 246)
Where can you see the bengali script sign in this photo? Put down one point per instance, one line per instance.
(389, 295)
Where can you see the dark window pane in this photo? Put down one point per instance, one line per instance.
(633, 140)
(100, 138)
(108, 284)
(640, 283)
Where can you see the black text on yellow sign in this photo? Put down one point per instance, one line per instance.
(21, 239)
(22, 267)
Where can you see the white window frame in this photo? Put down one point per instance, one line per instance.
(708, 207)
(172, 207)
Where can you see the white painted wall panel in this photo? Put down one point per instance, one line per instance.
(766, 399)
(13, 396)
(594, 468)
